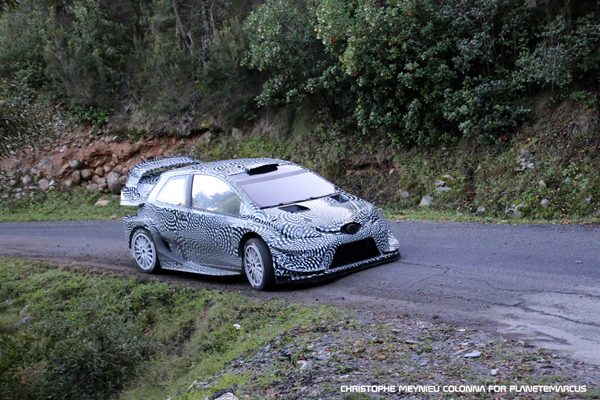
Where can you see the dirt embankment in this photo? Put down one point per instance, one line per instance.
(98, 162)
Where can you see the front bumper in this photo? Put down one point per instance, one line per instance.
(339, 271)
(332, 255)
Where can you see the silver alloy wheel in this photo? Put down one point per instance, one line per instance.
(253, 264)
(144, 251)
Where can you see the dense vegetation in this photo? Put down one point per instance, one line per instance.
(419, 71)
(70, 333)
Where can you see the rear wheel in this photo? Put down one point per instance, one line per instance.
(144, 251)
(258, 264)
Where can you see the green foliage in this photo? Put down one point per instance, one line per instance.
(85, 57)
(95, 354)
(22, 120)
(419, 71)
(282, 42)
(22, 45)
(92, 334)
(75, 203)
(566, 50)
(229, 88)
(7, 5)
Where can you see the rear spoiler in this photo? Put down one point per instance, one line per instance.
(143, 176)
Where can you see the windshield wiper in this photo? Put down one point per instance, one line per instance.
(297, 201)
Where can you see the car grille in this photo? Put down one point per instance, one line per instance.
(354, 252)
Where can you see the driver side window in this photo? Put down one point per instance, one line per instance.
(212, 194)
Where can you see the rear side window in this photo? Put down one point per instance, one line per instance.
(173, 192)
(212, 194)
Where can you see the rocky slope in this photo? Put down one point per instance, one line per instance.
(98, 162)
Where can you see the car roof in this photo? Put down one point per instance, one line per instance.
(231, 167)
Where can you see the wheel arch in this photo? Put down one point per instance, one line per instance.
(145, 226)
(247, 236)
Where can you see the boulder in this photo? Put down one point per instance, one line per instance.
(426, 201)
(515, 210)
(92, 187)
(99, 171)
(44, 164)
(545, 203)
(27, 179)
(86, 174)
(76, 177)
(44, 184)
(75, 164)
(113, 180)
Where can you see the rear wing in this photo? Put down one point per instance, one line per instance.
(143, 176)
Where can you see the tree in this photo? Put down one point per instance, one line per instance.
(7, 5)
(22, 122)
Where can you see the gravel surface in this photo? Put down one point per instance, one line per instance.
(386, 352)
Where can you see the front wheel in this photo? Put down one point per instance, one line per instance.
(144, 251)
(258, 264)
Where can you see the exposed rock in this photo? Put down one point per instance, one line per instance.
(102, 202)
(76, 177)
(545, 203)
(404, 194)
(589, 199)
(95, 179)
(236, 133)
(227, 396)
(27, 179)
(494, 372)
(44, 184)
(86, 174)
(525, 160)
(68, 183)
(75, 164)
(440, 186)
(473, 354)
(515, 210)
(123, 180)
(481, 210)
(92, 187)
(45, 163)
(24, 321)
(426, 201)
(542, 184)
(12, 182)
(99, 171)
(113, 180)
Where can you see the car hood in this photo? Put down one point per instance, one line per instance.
(327, 213)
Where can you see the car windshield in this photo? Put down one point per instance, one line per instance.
(288, 184)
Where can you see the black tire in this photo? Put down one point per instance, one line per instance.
(258, 264)
(144, 251)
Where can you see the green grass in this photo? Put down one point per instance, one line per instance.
(62, 205)
(96, 335)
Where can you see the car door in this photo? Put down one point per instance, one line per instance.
(171, 210)
(214, 214)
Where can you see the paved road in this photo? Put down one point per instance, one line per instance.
(538, 283)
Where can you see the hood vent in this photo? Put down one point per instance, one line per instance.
(294, 208)
(340, 198)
